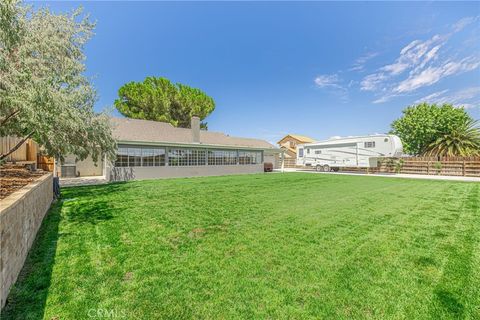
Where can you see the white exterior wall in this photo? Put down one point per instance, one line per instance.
(272, 158)
(142, 173)
(85, 167)
(124, 173)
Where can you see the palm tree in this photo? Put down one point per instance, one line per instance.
(463, 141)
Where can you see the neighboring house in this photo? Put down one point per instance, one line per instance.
(289, 144)
(151, 149)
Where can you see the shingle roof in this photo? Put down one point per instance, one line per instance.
(298, 137)
(302, 138)
(135, 130)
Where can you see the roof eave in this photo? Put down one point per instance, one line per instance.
(198, 145)
(292, 136)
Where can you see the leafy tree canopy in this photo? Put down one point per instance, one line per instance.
(424, 123)
(159, 99)
(43, 92)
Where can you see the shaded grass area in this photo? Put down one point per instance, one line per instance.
(257, 246)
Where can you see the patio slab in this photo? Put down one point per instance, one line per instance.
(82, 181)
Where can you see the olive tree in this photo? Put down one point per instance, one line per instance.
(44, 94)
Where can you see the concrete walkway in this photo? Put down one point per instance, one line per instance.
(82, 181)
(86, 181)
(389, 175)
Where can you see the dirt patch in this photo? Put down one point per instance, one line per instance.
(128, 276)
(196, 233)
(13, 178)
(200, 232)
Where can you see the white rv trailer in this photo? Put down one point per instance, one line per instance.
(362, 151)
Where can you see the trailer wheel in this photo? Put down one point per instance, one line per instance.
(326, 168)
(336, 169)
(318, 168)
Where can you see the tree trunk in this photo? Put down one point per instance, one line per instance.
(11, 115)
(18, 145)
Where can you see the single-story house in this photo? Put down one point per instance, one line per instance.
(151, 150)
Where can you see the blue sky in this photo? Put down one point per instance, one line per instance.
(314, 68)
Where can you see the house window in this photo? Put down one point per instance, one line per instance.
(308, 151)
(249, 157)
(134, 157)
(186, 157)
(202, 157)
(318, 151)
(243, 157)
(292, 144)
(158, 157)
(369, 144)
(177, 157)
(155, 157)
(140, 157)
(300, 152)
(122, 157)
(212, 155)
(231, 157)
(222, 157)
(196, 157)
(147, 158)
(183, 157)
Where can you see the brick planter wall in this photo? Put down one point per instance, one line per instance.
(21, 215)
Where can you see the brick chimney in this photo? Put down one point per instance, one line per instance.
(195, 126)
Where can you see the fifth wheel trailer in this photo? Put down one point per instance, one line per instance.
(360, 152)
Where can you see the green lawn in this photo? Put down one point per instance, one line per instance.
(272, 246)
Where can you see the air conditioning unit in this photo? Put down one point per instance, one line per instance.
(69, 171)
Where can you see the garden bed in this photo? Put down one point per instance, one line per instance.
(14, 177)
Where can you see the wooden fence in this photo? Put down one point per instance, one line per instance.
(287, 163)
(448, 166)
(451, 166)
(26, 152)
(45, 163)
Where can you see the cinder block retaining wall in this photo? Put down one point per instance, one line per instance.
(21, 215)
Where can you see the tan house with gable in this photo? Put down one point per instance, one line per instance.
(289, 144)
